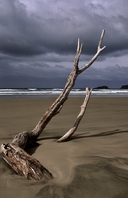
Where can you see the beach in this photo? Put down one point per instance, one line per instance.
(93, 164)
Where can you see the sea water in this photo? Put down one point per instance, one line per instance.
(53, 92)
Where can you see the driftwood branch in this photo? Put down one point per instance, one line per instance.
(55, 107)
(99, 50)
(79, 117)
(14, 153)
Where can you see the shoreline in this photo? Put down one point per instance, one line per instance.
(55, 92)
(6, 97)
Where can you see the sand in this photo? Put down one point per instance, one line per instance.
(94, 164)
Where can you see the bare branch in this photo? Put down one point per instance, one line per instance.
(78, 119)
(55, 107)
(100, 41)
(99, 50)
(14, 154)
(78, 45)
(78, 53)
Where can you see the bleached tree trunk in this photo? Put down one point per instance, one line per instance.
(13, 153)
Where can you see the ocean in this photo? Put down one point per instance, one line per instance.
(54, 92)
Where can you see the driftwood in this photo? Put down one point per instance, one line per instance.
(14, 153)
(58, 104)
(78, 119)
(21, 161)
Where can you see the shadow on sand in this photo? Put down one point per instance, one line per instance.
(84, 135)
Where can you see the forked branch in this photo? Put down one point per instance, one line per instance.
(13, 153)
(55, 107)
(99, 50)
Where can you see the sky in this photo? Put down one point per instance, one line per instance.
(38, 41)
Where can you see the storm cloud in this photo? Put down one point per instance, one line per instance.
(38, 42)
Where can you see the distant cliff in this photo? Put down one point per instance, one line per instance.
(124, 87)
(101, 87)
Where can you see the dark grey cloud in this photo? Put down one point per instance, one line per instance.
(24, 32)
(36, 74)
(38, 40)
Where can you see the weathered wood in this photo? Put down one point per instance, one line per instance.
(13, 153)
(78, 119)
(22, 163)
(58, 104)
(21, 139)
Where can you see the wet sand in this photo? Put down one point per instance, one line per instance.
(94, 164)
